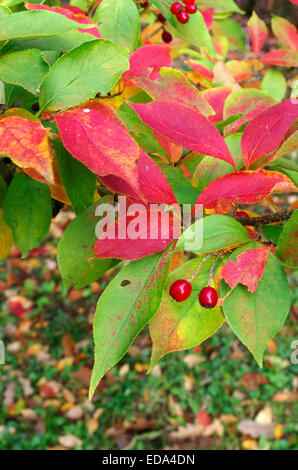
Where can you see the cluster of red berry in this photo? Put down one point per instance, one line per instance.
(182, 12)
(180, 290)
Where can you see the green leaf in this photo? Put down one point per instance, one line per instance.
(194, 32)
(223, 6)
(24, 68)
(142, 133)
(231, 30)
(76, 260)
(184, 191)
(3, 191)
(119, 22)
(256, 318)
(77, 179)
(124, 309)
(209, 169)
(60, 42)
(38, 23)
(272, 232)
(212, 233)
(28, 211)
(182, 325)
(287, 248)
(4, 11)
(91, 68)
(275, 84)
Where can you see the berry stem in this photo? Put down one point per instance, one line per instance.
(212, 269)
(198, 269)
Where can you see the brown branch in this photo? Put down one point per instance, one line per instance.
(265, 219)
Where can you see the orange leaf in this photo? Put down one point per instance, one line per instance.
(27, 144)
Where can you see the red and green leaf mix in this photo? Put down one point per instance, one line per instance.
(164, 105)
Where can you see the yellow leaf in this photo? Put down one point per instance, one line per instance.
(34, 349)
(6, 237)
(92, 425)
(278, 431)
(141, 367)
(67, 361)
(249, 444)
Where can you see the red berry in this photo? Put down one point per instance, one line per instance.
(188, 2)
(180, 290)
(241, 214)
(166, 36)
(176, 8)
(183, 17)
(208, 297)
(191, 9)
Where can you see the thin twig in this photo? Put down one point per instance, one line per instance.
(265, 219)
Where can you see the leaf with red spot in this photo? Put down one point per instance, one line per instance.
(124, 309)
(76, 15)
(186, 127)
(172, 85)
(264, 133)
(26, 142)
(152, 56)
(255, 318)
(138, 233)
(247, 270)
(285, 32)
(258, 32)
(243, 187)
(249, 102)
(181, 325)
(216, 97)
(282, 57)
(154, 187)
(100, 143)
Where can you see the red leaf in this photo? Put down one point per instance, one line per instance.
(264, 133)
(285, 32)
(243, 187)
(100, 143)
(154, 187)
(172, 85)
(72, 13)
(247, 101)
(151, 56)
(208, 17)
(203, 418)
(216, 97)
(27, 144)
(258, 32)
(282, 57)
(120, 245)
(247, 270)
(200, 69)
(184, 126)
(174, 151)
(252, 380)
